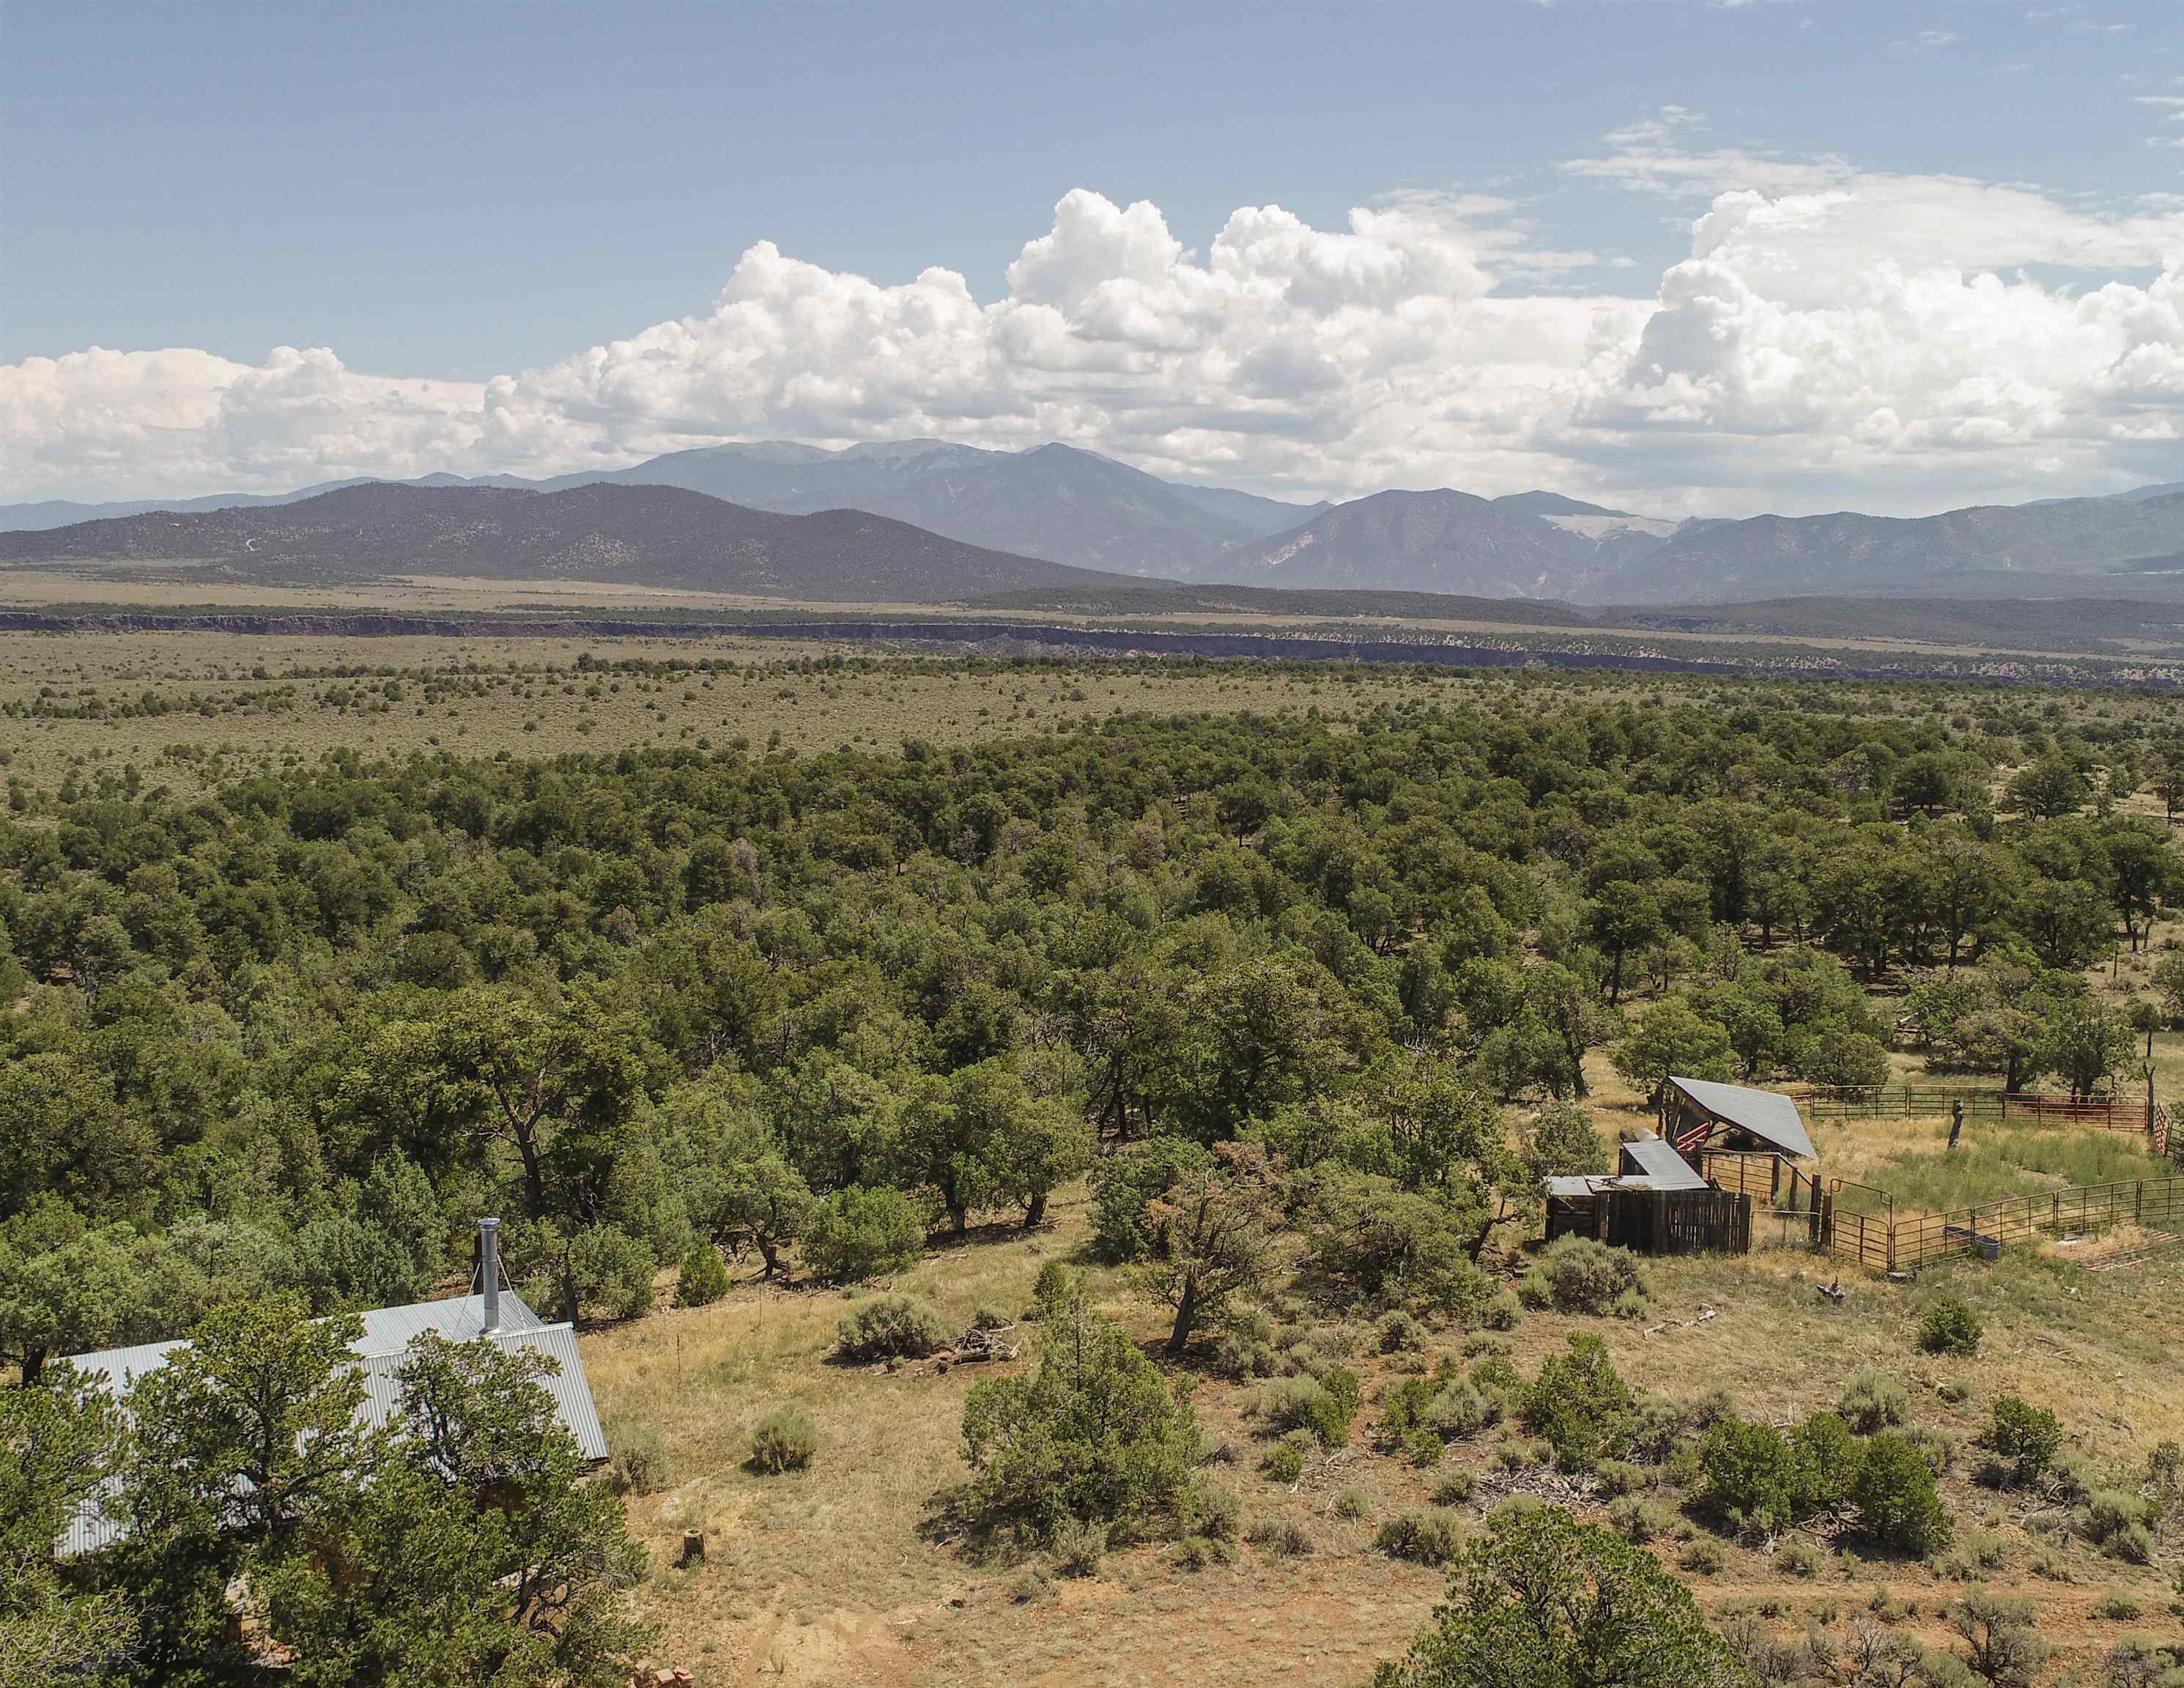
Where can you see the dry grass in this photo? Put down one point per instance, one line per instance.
(825, 1577)
(238, 703)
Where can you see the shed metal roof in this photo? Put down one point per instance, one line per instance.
(1766, 1115)
(1660, 1165)
(387, 1335)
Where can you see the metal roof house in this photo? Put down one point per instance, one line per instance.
(492, 1313)
(1697, 1113)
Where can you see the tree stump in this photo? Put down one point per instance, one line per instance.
(693, 1548)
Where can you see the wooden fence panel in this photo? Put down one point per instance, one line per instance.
(1659, 1222)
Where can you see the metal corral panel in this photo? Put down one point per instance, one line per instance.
(1766, 1115)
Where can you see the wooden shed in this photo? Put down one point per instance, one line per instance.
(1656, 1203)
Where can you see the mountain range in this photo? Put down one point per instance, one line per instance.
(645, 535)
(928, 520)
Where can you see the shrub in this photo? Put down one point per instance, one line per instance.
(1639, 1521)
(1430, 1535)
(2121, 1524)
(1799, 1559)
(1287, 1403)
(1078, 1547)
(1460, 1410)
(1455, 1489)
(640, 1459)
(890, 1327)
(783, 1441)
(1949, 1327)
(1703, 1558)
(1749, 1473)
(1400, 1334)
(1899, 1505)
(1501, 1309)
(2025, 1437)
(859, 1233)
(1935, 1444)
(702, 1278)
(1617, 1478)
(1874, 1402)
(1827, 1456)
(1281, 1538)
(1578, 1275)
(1351, 1503)
(1424, 1447)
(2002, 1644)
(1214, 1511)
(1954, 1391)
(1580, 1405)
(1054, 1282)
(2115, 1607)
(1285, 1460)
(1096, 1434)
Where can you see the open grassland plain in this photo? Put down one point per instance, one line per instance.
(189, 710)
(831, 1575)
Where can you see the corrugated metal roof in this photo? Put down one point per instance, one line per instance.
(1767, 1114)
(388, 1334)
(571, 1389)
(1661, 1166)
(389, 1330)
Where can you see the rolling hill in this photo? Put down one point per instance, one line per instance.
(1052, 501)
(1994, 550)
(645, 535)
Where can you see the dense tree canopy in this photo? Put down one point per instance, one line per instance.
(293, 1036)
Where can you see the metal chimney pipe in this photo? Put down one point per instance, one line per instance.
(489, 1271)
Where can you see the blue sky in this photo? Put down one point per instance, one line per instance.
(464, 191)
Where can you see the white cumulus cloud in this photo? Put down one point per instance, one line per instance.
(1835, 337)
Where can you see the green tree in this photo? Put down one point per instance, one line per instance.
(1560, 1140)
(2054, 784)
(1096, 1434)
(1545, 1601)
(1622, 918)
(476, 1553)
(1669, 1039)
(58, 1445)
(1219, 1220)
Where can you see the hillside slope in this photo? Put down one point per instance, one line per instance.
(1987, 549)
(1053, 501)
(1442, 542)
(643, 535)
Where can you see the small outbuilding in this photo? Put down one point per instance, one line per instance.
(1698, 1114)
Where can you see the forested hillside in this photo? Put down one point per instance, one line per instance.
(298, 1034)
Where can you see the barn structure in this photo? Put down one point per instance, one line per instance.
(1698, 1114)
(1659, 1201)
(491, 1312)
